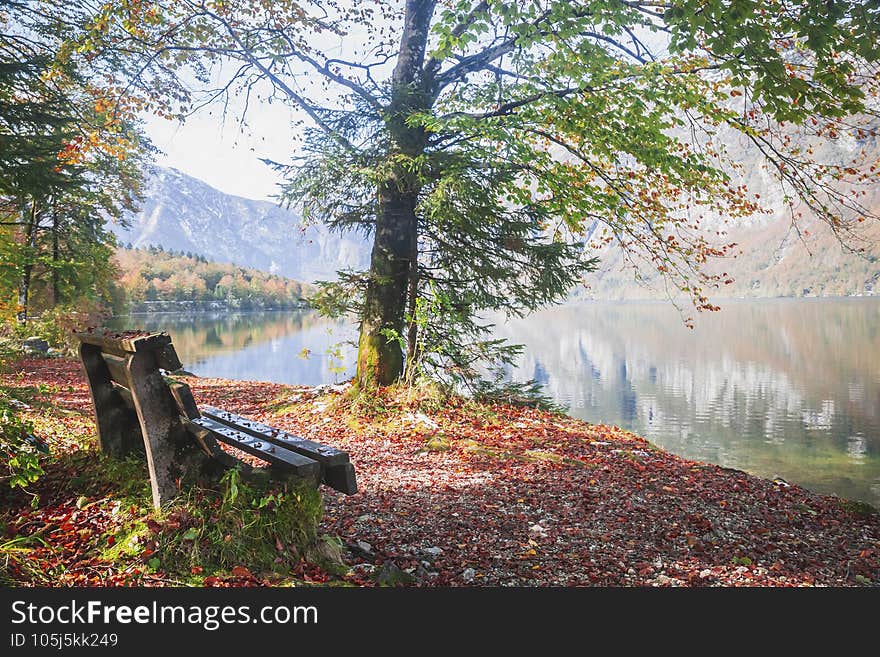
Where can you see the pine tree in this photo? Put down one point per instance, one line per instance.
(67, 164)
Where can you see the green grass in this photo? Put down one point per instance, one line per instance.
(262, 524)
(265, 525)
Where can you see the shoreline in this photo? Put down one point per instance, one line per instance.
(466, 494)
(569, 302)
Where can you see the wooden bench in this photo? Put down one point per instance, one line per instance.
(138, 410)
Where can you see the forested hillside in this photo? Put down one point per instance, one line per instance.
(155, 279)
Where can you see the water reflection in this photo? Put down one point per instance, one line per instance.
(786, 388)
(283, 347)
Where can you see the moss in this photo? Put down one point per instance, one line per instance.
(127, 479)
(541, 455)
(437, 443)
(128, 543)
(858, 508)
(390, 575)
(379, 360)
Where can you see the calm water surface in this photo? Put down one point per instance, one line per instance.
(787, 388)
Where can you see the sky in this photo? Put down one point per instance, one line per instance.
(221, 153)
(216, 150)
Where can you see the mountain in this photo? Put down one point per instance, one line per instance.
(184, 214)
(188, 215)
(771, 258)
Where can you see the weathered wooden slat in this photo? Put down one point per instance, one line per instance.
(125, 393)
(167, 358)
(116, 365)
(342, 478)
(185, 401)
(300, 465)
(118, 430)
(206, 442)
(170, 452)
(329, 456)
(338, 473)
(126, 342)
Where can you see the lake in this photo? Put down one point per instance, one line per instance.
(779, 388)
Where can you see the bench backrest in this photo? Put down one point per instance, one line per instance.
(135, 409)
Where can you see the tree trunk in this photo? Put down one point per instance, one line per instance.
(395, 245)
(380, 355)
(412, 298)
(23, 292)
(30, 243)
(56, 291)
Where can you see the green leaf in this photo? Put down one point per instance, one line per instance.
(190, 534)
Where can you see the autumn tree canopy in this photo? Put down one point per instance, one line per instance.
(483, 143)
(71, 158)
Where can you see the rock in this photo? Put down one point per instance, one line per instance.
(536, 531)
(362, 568)
(665, 580)
(390, 575)
(433, 552)
(420, 420)
(468, 575)
(365, 547)
(36, 343)
(329, 549)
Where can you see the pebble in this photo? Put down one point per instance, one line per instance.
(665, 580)
(469, 574)
(538, 531)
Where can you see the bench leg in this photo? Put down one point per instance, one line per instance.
(118, 430)
(165, 440)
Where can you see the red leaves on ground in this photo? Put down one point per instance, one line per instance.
(515, 496)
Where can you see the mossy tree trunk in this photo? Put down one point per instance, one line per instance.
(380, 355)
(394, 258)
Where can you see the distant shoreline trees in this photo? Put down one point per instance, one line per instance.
(154, 275)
